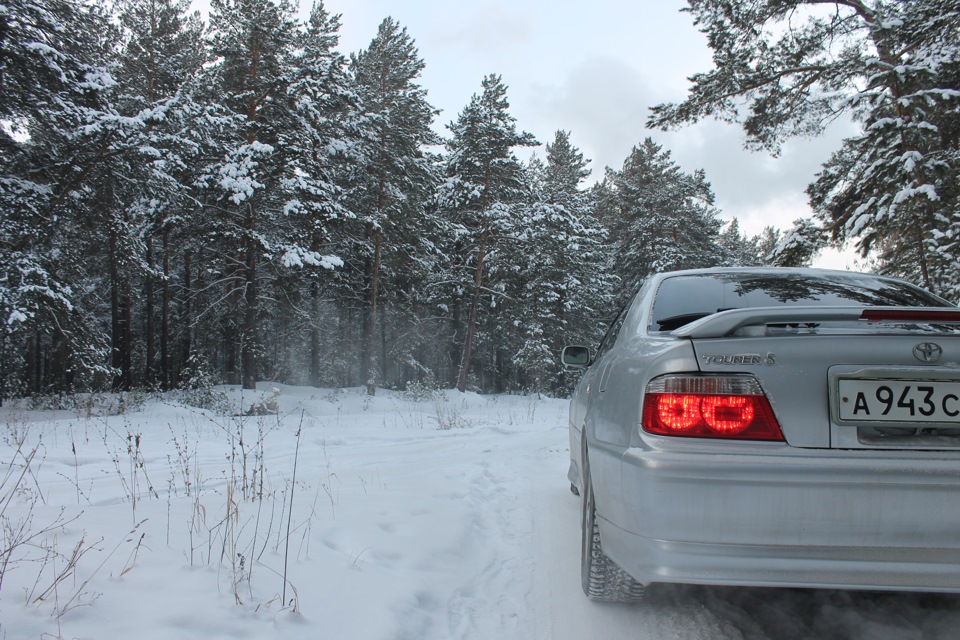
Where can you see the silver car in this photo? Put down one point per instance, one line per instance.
(770, 427)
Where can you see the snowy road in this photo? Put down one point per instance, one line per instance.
(399, 530)
(525, 492)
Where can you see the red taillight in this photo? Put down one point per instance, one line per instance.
(677, 413)
(709, 407)
(729, 414)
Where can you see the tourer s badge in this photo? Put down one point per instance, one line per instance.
(740, 359)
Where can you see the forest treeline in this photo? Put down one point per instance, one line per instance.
(237, 200)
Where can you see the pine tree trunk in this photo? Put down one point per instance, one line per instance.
(924, 269)
(472, 318)
(116, 316)
(150, 338)
(127, 338)
(500, 371)
(559, 339)
(3, 362)
(346, 338)
(384, 374)
(248, 347)
(165, 313)
(456, 340)
(38, 363)
(371, 354)
(314, 335)
(120, 312)
(186, 321)
(363, 353)
(248, 344)
(30, 364)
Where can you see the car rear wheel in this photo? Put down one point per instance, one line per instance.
(602, 578)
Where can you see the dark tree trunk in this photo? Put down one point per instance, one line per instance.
(370, 356)
(503, 370)
(456, 323)
(230, 358)
(186, 319)
(248, 346)
(384, 374)
(29, 366)
(165, 376)
(150, 373)
(560, 339)
(366, 321)
(314, 335)
(127, 338)
(3, 362)
(118, 320)
(472, 318)
(922, 258)
(38, 363)
(345, 339)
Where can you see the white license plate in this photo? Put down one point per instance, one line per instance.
(899, 400)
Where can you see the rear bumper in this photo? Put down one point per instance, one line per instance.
(776, 516)
(787, 566)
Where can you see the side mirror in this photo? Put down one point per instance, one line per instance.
(576, 356)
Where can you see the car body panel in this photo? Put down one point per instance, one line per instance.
(776, 509)
(835, 504)
(793, 372)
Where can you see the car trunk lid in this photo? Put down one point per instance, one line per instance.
(845, 377)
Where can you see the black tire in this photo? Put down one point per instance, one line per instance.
(602, 578)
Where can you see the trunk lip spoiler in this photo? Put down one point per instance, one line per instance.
(723, 323)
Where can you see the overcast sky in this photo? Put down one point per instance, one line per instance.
(592, 69)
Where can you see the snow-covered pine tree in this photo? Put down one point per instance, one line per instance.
(658, 217)
(483, 186)
(262, 205)
(144, 184)
(738, 249)
(890, 65)
(893, 188)
(564, 288)
(250, 40)
(162, 52)
(767, 243)
(393, 186)
(325, 148)
(56, 127)
(797, 246)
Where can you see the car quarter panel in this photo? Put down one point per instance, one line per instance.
(613, 422)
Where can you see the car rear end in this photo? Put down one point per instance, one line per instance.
(811, 446)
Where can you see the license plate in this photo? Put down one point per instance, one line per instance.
(899, 400)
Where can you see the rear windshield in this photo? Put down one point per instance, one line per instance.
(683, 299)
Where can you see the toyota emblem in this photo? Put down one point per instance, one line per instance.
(927, 352)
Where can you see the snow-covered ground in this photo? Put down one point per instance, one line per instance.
(443, 517)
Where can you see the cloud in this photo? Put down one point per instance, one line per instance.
(488, 29)
(602, 102)
(754, 186)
